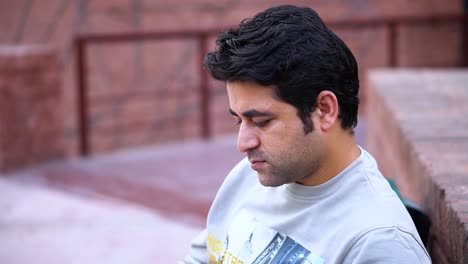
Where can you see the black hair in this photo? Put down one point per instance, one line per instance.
(292, 49)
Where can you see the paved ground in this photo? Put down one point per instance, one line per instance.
(40, 225)
(136, 206)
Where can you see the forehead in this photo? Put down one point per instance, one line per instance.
(244, 94)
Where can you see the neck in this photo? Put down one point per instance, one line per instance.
(341, 150)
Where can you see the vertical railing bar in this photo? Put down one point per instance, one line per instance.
(82, 97)
(464, 37)
(204, 89)
(392, 44)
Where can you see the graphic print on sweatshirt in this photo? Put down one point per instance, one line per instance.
(248, 241)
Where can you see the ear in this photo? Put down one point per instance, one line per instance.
(327, 106)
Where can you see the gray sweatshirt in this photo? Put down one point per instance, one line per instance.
(353, 218)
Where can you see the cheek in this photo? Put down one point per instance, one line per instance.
(285, 144)
(282, 137)
(286, 130)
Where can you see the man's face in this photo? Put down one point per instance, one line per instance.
(272, 135)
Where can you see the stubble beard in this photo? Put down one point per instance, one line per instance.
(287, 170)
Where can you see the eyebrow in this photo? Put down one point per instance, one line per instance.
(251, 113)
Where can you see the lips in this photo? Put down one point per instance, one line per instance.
(255, 160)
(257, 164)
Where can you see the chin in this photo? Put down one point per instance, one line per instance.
(269, 181)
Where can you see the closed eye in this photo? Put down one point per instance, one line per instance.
(264, 116)
(262, 123)
(237, 119)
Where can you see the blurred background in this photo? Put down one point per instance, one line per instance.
(113, 140)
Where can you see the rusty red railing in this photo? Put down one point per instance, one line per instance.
(83, 40)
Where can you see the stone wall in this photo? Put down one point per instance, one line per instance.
(31, 124)
(417, 129)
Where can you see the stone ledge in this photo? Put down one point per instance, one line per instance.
(418, 131)
(31, 114)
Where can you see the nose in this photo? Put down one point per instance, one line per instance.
(247, 138)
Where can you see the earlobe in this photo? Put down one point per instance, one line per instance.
(327, 104)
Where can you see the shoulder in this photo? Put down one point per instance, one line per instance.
(377, 221)
(387, 245)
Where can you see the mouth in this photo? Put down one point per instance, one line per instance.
(257, 164)
(255, 160)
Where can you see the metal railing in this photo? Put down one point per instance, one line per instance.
(82, 41)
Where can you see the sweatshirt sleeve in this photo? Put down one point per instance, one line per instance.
(197, 253)
(387, 245)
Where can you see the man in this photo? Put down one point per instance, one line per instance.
(319, 197)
